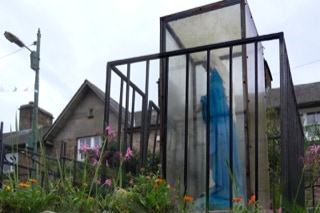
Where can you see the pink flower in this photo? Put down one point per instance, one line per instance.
(315, 148)
(98, 181)
(108, 182)
(310, 159)
(128, 155)
(95, 161)
(107, 163)
(96, 150)
(83, 148)
(110, 131)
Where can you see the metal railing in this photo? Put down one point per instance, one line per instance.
(291, 129)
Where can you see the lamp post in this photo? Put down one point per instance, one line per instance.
(34, 63)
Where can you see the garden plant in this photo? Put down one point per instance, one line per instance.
(123, 189)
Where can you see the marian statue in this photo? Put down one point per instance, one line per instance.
(219, 120)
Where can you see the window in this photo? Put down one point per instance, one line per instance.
(311, 122)
(90, 142)
(12, 158)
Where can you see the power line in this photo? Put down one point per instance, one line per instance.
(302, 65)
(4, 56)
(299, 66)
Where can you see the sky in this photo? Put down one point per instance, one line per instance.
(79, 37)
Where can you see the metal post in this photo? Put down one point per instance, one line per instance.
(35, 59)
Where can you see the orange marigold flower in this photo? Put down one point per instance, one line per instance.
(91, 198)
(131, 181)
(156, 186)
(26, 185)
(159, 180)
(187, 198)
(237, 199)
(32, 180)
(168, 186)
(252, 199)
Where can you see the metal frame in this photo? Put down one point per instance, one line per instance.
(291, 128)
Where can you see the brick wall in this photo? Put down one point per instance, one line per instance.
(26, 117)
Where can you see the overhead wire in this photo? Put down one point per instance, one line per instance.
(4, 56)
(302, 65)
(18, 50)
(299, 66)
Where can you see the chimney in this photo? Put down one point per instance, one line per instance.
(26, 117)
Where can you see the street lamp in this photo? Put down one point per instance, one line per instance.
(34, 63)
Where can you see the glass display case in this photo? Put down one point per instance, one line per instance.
(213, 99)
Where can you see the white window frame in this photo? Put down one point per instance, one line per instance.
(91, 142)
(12, 158)
(307, 122)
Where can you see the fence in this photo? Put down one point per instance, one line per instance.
(47, 168)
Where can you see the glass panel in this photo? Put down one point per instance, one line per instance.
(97, 141)
(311, 118)
(220, 101)
(310, 131)
(186, 132)
(317, 117)
(221, 24)
(252, 75)
(176, 128)
(196, 127)
(312, 124)
(196, 132)
(258, 122)
(81, 142)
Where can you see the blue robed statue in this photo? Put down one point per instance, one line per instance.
(219, 119)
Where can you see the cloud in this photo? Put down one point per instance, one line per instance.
(79, 37)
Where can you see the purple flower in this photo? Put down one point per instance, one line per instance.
(108, 182)
(95, 161)
(315, 148)
(110, 131)
(96, 150)
(310, 159)
(128, 155)
(83, 148)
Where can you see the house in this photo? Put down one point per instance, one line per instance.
(23, 138)
(81, 121)
(308, 101)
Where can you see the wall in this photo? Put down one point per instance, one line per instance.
(79, 124)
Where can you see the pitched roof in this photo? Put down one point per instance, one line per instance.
(307, 95)
(73, 104)
(21, 137)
